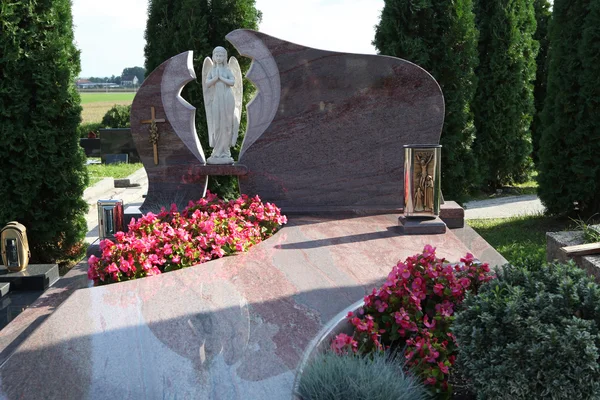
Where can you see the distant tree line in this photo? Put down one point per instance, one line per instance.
(127, 74)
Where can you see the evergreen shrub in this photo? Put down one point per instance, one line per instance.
(440, 36)
(503, 102)
(42, 166)
(543, 14)
(569, 177)
(85, 129)
(533, 333)
(117, 117)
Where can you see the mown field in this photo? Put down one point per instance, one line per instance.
(101, 97)
(95, 105)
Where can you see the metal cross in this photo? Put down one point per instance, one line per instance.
(154, 132)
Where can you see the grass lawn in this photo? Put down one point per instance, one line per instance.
(99, 171)
(520, 189)
(520, 236)
(95, 105)
(101, 97)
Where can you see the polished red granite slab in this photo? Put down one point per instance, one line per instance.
(233, 328)
(175, 175)
(326, 130)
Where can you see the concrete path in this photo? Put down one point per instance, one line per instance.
(105, 190)
(504, 207)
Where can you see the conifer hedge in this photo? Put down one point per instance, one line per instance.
(503, 103)
(569, 179)
(175, 26)
(542, 16)
(440, 36)
(42, 167)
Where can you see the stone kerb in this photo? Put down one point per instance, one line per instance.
(556, 240)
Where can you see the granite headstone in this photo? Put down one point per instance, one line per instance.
(91, 147)
(325, 130)
(116, 159)
(118, 141)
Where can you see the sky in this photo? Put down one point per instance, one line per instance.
(110, 33)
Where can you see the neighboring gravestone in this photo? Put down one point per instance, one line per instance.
(325, 130)
(118, 141)
(91, 147)
(116, 159)
(34, 277)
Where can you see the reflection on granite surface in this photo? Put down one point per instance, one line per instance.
(14, 303)
(340, 121)
(233, 328)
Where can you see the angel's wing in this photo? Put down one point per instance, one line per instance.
(209, 95)
(238, 91)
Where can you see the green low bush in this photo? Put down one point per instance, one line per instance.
(532, 334)
(117, 117)
(350, 376)
(85, 129)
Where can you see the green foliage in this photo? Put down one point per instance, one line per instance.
(569, 163)
(440, 36)
(519, 236)
(117, 117)
(542, 16)
(503, 103)
(349, 376)
(120, 170)
(85, 129)
(175, 26)
(532, 334)
(43, 168)
(591, 233)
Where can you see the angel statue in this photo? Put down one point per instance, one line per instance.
(222, 89)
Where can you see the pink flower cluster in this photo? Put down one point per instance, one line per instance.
(207, 229)
(415, 308)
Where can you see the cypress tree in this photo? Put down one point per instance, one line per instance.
(542, 16)
(570, 145)
(43, 172)
(503, 103)
(175, 26)
(440, 36)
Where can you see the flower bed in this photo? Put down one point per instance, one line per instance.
(207, 229)
(413, 311)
